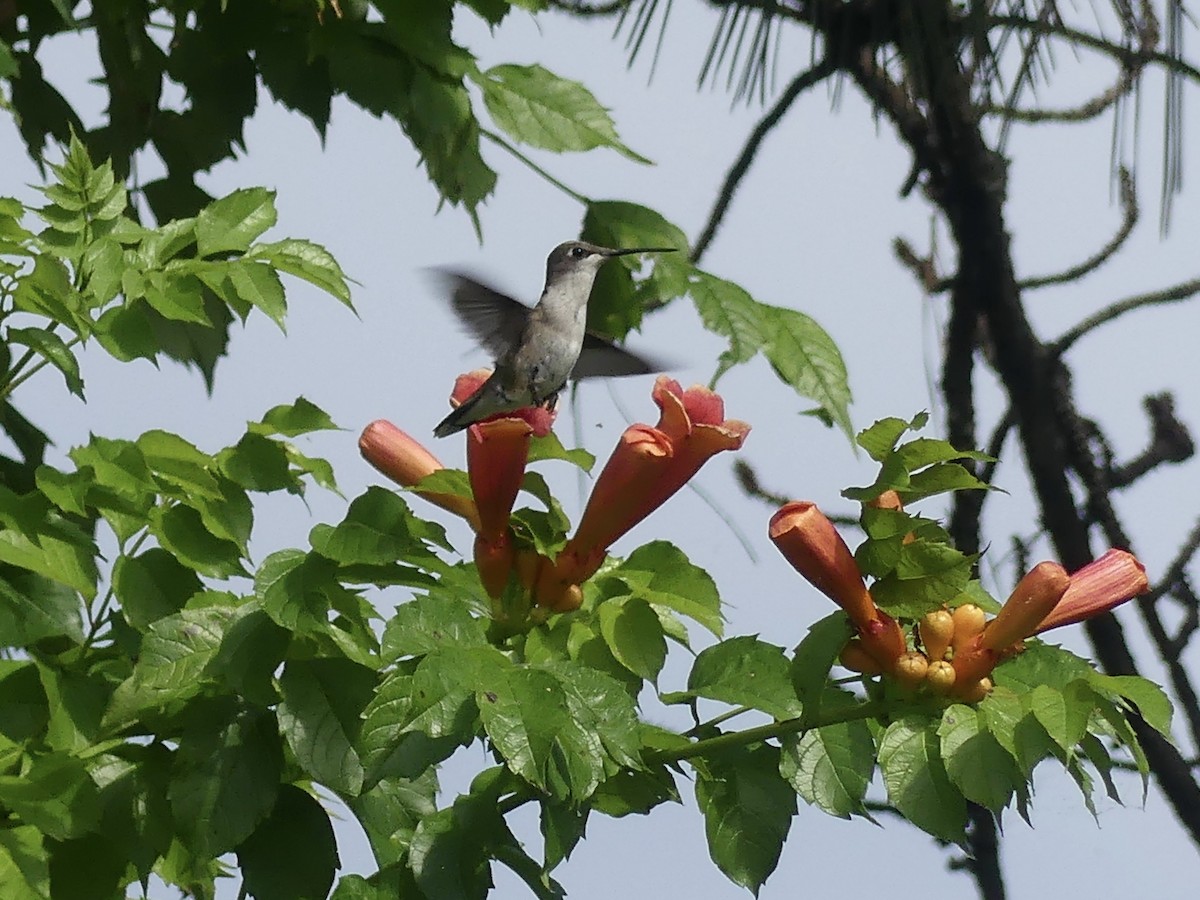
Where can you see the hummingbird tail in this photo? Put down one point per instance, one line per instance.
(462, 416)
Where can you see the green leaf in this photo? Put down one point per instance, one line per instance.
(24, 868)
(126, 333)
(634, 634)
(291, 854)
(926, 575)
(225, 780)
(815, 656)
(319, 718)
(424, 624)
(1147, 697)
(1064, 714)
(54, 350)
(232, 223)
(537, 107)
(308, 261)
(451, 850)
(745, 671)
(258, 285)
(33, 608)
(916, 779)
(152, 585)
(526, 714)
(389, 812)
(179, 463)
(56, 550)
(748, 811)
(831, 767)
(419, 719)
(292, 420)
(659, 573)
(85, 867)
(173, 662)
(24, 705)
(182, 531)
(258, 463)
(378, 528)
(55, 793)
(802, 354)
(975, 761)
(77, 701)
(550, 447)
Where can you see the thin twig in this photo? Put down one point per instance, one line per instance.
(738, 171)
(1130, 209)
(1172, 294)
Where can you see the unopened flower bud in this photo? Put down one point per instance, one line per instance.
(975, 691)
(936, 630)
(941, 676)
(855, 658)
(911, 668)
(969, 620)
(1030, 602)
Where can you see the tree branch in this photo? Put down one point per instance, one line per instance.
(741, 166)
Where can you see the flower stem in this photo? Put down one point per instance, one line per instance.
(763, 732)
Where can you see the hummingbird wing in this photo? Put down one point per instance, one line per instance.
(601, 358)
(494, 319)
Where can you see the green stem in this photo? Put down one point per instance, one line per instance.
(714, 722)
(762, 733)
(496, 139)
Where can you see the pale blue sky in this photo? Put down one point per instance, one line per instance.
(812, 228)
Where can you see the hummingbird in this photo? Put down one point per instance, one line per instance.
(537, 350)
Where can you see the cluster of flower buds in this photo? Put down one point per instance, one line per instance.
(647, 467)
(956, 649)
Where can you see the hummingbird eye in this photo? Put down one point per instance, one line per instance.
(578, 252)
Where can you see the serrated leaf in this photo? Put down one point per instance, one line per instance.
(152, 585)
(54, 350)
(747, 672)
(172, 665)
(916, 779)
(815, 656)
(24, 863)
(537, 107)
(293, 852)
(799, 350)
(748, 811)
(319, 718)
(233, 222)
(225, 780)
(831, 767)
(292, 420)
(1149, 699)
(308, 261)
(661, 574)
(181, 530)
(975, 761)
(424, 624)
(258, 285)
(634, 634)
(33, 608)
(526, 714)
(55, 794)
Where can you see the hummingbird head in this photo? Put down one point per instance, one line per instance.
(579, 258)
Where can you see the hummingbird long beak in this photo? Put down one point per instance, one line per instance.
(627, 251)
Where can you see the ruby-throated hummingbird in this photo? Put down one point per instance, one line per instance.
(537, 350)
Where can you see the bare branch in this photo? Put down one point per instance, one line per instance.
(1129, 220)
(741, 166)
(1172, 294)
(1176, 570)
(1084, 112)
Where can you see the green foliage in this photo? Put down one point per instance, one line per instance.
(170, 701)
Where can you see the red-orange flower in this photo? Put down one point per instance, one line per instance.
(539, 418)
(1099, 586)
(1029, 603)
(647, 467)
(815, 548)
(405, 461)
